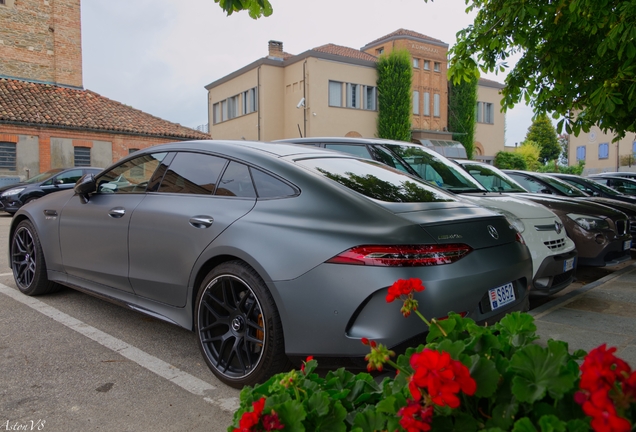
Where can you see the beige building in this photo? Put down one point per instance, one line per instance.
(491, 123)
(331, 91)
(600, 153)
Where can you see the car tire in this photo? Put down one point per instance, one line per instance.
(238, 327)
(27, 262)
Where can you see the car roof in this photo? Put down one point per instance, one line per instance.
(351, 140)
(237, 147)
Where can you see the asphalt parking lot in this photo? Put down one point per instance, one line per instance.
(69, 361)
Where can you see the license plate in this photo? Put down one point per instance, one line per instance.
(627, 244)
(568, 264)
(501, 296)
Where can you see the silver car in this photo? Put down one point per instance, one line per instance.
(270, 252)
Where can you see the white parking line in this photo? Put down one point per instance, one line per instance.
(165, 370)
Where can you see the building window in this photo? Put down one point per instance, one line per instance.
(437, 67)
(485, 113)
(370, 98)
(416, 63)
(250, 101)
(603, 150)
(427, 65)
(335, 93)
(82, 156)
(353, 95)
(379, 51)
(232, 107)
(416, 102)
(436, 105)
(580, 153)
(7, 156)
(427, 104)
(489, 113)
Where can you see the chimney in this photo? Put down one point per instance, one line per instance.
(275, 50)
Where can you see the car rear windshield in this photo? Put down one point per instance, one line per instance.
(376, 181)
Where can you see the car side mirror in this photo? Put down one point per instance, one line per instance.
(58, 182)
(85, 186)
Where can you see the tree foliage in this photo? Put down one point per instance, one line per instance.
(255, 8)
(577, 58)
(542, 132)
(508, 160)
(461, 113)
(395, 74)
(531, 153)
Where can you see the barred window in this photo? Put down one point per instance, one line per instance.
(82, 156)
(7, 155)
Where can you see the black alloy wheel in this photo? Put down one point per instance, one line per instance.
(238, 327)
(27, 262)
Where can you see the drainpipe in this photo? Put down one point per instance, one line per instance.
(258, 98)
(305, 97)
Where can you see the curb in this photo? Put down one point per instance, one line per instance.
(562, 301)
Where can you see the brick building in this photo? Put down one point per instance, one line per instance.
(47, 119)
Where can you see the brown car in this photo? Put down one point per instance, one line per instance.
(601, 234)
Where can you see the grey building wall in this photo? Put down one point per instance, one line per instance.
(62, 154)
(27, 154)
(102, 154)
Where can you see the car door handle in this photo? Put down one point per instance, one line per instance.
(117, 212)
(201, 221)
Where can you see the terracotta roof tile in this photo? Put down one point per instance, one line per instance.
(404, 32)
(345, 52)
(50, 105)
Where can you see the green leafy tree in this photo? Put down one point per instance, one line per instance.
(461, 113)
(530, 151)
(542, 132)
(508, 160)
(577, 58)
(395, 75)
(256, 8)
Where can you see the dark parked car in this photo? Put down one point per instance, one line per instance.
(270, 251)
(14, 196)
(565, 185)
(601, 233)
(625, 185)
(627, 174)
(553, 253)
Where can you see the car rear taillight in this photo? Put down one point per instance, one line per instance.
(403, 255)
(519, 238)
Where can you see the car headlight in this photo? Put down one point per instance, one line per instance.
(588, 222)
(13, 191)
(512, 219)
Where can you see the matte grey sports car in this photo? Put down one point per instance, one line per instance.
(270, 251)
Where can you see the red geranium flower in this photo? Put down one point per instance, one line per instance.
(441, 376)
(415, 417)
(404, 287)
(252, 421)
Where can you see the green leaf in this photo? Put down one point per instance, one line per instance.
(319, 402)
(524, 425)
(370, 420)
(485, 374)
(551, 423)
(503, 415)
(540, 370)
(292, 414)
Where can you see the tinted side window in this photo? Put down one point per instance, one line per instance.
(192, 173)
(531, 185)
(236, 181)
(69, 177)
(270, 187)
(131, 176)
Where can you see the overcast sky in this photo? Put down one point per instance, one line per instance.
(157, 55)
